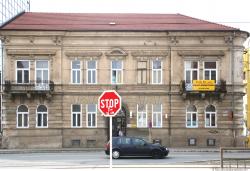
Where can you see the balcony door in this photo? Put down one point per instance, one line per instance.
(42, 75)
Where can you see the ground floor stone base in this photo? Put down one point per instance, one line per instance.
(97, 137)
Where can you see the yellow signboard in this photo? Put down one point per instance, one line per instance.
(203, 85)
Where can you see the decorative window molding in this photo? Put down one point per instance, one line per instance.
(88, 55)
(116, 54)
(201, 53)
(146, 55)
(30, 52)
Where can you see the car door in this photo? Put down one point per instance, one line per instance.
(126, 146)
(141, 147)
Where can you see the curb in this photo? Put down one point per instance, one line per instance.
(73, 150)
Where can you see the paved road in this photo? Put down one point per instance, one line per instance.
(99, 159)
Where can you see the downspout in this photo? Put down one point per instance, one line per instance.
(233, 105)
(169, 97)
(1, 115)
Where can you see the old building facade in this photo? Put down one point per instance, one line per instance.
(55, 70)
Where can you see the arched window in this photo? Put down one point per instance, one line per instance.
(22, 117)
(42, 116)
(210, 119)
(191, 117)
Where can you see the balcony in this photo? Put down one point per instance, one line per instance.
(219, 89)
(31, 88)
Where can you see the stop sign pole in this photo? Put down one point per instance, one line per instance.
(109, 104)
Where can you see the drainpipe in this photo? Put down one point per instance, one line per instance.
(233, 107)
(1, 114)
(169, 97)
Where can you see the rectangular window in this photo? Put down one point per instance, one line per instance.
(191, 71)
(156, 72)
(210, 71)
(22, 72)
(91, 115)
(42, 75)
(192, 120)
(42, 120)
(22, 120)
(116, 72)
(91, 72)
(141, 116)
(76, 116)
(210, 119)
(157, 115)
(142, 72)
(75, 72)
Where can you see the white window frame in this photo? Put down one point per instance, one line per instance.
(91, 71)
(210, 118)
(216, 70)
(42, 113)
(72, 72)
(76, 113)
(91, 113)
(22, 72)
(191, 70)
(145, 125)
(42, 69)
(121, 70)
(157, 72)
(191, 113)
(22, 113)
(157, 114)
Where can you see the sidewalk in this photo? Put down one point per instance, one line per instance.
(61, 150)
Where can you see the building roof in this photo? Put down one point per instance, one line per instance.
(110, 22)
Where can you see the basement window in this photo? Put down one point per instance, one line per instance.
(210, 142)
(192, 142)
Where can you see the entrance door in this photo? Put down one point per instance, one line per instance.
(119, 122)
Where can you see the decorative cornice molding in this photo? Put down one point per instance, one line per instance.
(201, 53)
(30, 52)
(149, 53)
(83, 54)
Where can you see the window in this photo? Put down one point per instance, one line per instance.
(142, 116)
(142, 72)
(76, 116)
(42, 117)
(210, 71)
(191, 71)
(156, 72)
(191, 117)
(42, 75)
(75, 72)
(91, 72)
(22, 117)
(157, 115)
(116, 72)
(138, 142)
(192, 141)
(210, 119)
(42, 71)
(22, 71)
(91, 115)
(211, 142)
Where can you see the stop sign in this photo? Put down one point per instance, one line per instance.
(109, 103)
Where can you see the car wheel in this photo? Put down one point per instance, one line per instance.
(156, 154)
(115, 154)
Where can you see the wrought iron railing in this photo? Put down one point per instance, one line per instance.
(220, 87)
(32, 86)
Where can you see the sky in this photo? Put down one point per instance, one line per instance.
(235, 13)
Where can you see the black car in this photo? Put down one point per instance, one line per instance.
(130, 146)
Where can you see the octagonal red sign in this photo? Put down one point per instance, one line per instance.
(109, 103)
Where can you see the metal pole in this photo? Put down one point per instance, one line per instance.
(221, 157)
(110, 142)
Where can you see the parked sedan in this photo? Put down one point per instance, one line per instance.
(130, 146)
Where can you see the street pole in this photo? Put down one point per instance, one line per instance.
(110, 142)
